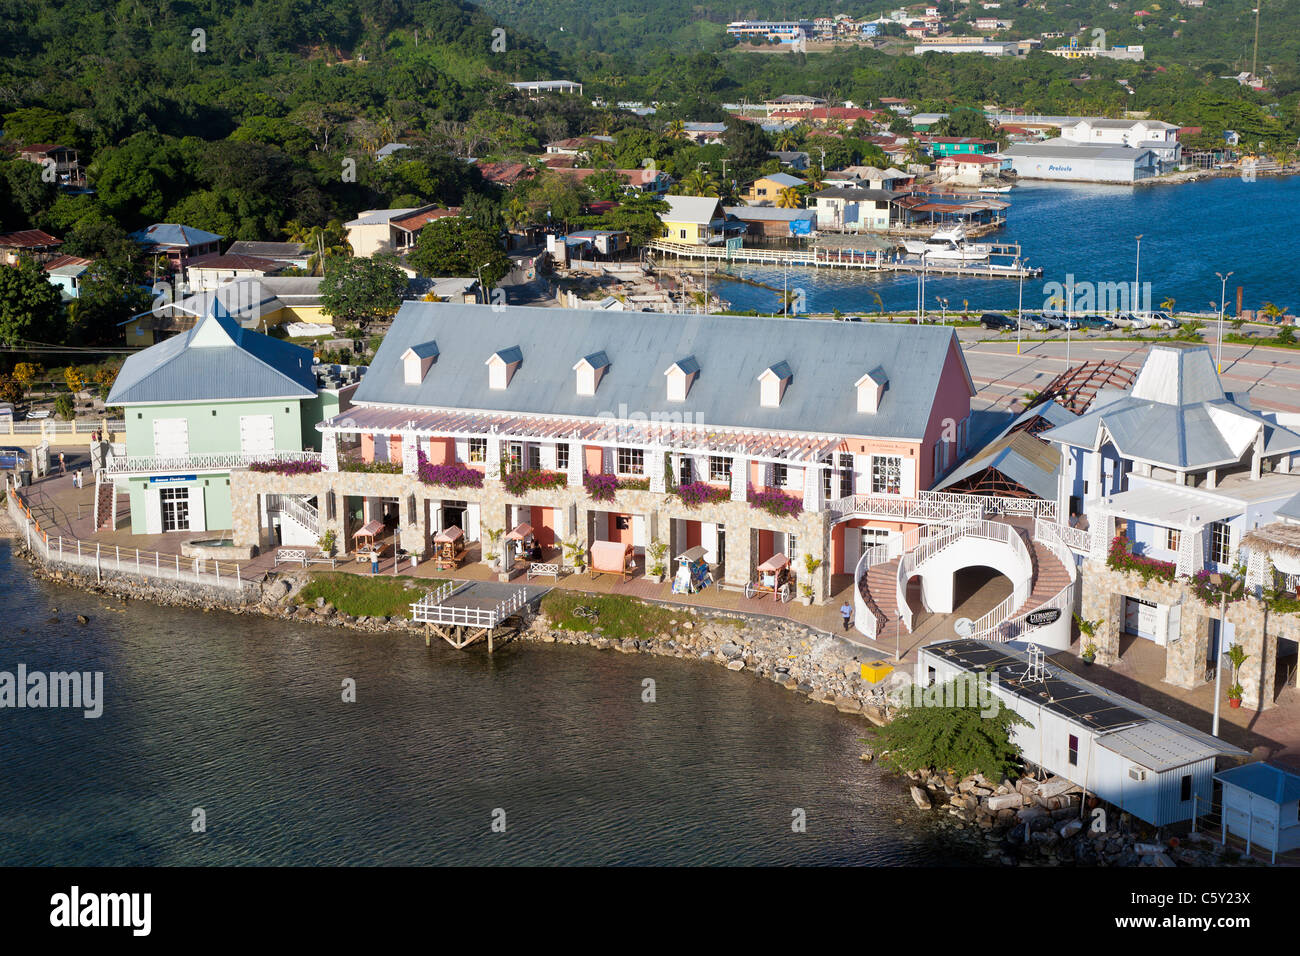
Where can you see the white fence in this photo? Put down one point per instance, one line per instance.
(931, 506)
(431, 610)
(113, 559)
(203, 462)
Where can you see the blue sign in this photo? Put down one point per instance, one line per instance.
(172, 479)
(800, 227)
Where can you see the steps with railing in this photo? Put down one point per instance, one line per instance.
(297, 508)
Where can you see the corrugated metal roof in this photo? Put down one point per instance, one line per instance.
(173, 234)
(216, 360)
(1157, 747)
(825, 359)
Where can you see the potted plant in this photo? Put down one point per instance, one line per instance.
(806, 594)
(811, 564)
(327, 543)
(1087, 631)
(658, 566)
(416, 558)
(492, 552)
(576, 554)
(1236, 656)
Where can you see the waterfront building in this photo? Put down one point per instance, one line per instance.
(200, 404)
(768, 189)
(1261, 804)
(746, 437)
(1160, 138)
(1069, 161)
(1172, 477)
(696, 220)
(851, 209)
(1133, 757)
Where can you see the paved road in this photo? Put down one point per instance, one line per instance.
(1270, 376)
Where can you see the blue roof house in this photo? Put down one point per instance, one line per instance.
(215, 398)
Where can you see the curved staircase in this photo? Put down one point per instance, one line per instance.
(1050, 583)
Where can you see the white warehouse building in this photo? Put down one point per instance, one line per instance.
(1063, 160)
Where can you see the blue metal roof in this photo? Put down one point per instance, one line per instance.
(1264, 780)
(824, 359)
(217, 360)
(173, 234)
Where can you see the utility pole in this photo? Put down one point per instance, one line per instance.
(1223, 292)
(1254, 61)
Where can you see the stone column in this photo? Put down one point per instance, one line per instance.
(739, 554)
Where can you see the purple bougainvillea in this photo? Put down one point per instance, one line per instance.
(519, 483)
(701, 493)
(775, 502)
(450, 476)
(600, 487)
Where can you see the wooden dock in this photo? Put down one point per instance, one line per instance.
(463, 612)
(821, 257)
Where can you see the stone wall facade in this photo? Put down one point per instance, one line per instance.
(572, 505)
(1187, 648)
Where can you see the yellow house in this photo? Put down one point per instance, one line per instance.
(256, 303)
(692, 219)
(766, 189)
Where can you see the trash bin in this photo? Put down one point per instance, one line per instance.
(24, 477)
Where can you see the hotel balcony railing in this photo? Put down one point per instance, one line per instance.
(211, 461)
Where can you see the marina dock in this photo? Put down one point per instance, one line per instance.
(823, 257)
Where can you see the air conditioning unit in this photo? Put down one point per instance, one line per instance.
(1137, 773)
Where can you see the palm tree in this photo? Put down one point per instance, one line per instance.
(786, 140)
(816, 178)
(788, 300)
(325, 242)
(1272, 312)
(1168, 305)
(788, 198)
(516, 214)
(676, 130)
(880, 303)
(698, 183)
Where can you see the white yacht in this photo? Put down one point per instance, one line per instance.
(948, 245)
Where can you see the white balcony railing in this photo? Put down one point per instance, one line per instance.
(215, 461)
(931, 506)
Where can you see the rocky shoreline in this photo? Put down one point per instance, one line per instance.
(1026, 823)
(1043, 823)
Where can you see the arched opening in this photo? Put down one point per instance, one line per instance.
(979, 589)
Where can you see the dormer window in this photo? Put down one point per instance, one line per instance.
(501, 367)
(772, 384)
(681, 376)
(871, 389)
(417, 360)
(590, 370)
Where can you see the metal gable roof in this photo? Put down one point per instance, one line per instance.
(825, 360)
(1176, 414)
(216, 360)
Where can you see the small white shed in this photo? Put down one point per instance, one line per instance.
(1261, 804)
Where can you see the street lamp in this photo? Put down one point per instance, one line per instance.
(482, 291)
(943, 307)
(1137, 271)
(1020, 305)
(1223, 295)
(920, 294)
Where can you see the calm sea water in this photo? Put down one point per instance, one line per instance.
(1189, 232)
(242, 716)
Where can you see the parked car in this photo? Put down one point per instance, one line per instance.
(1164, 320)
(1096, 323)
(995, 321)
(1132, 320)
(1059, 320)
(1033, 323)
(12, 457)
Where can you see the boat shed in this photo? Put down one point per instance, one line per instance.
(1135, 758)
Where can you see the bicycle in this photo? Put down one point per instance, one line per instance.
(586, 612)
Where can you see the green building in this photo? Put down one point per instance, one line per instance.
(212, 399)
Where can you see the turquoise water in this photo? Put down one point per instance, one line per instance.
(1189, 232)
(243, 717)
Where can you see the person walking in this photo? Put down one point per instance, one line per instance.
(846, 612)
(63, 468)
